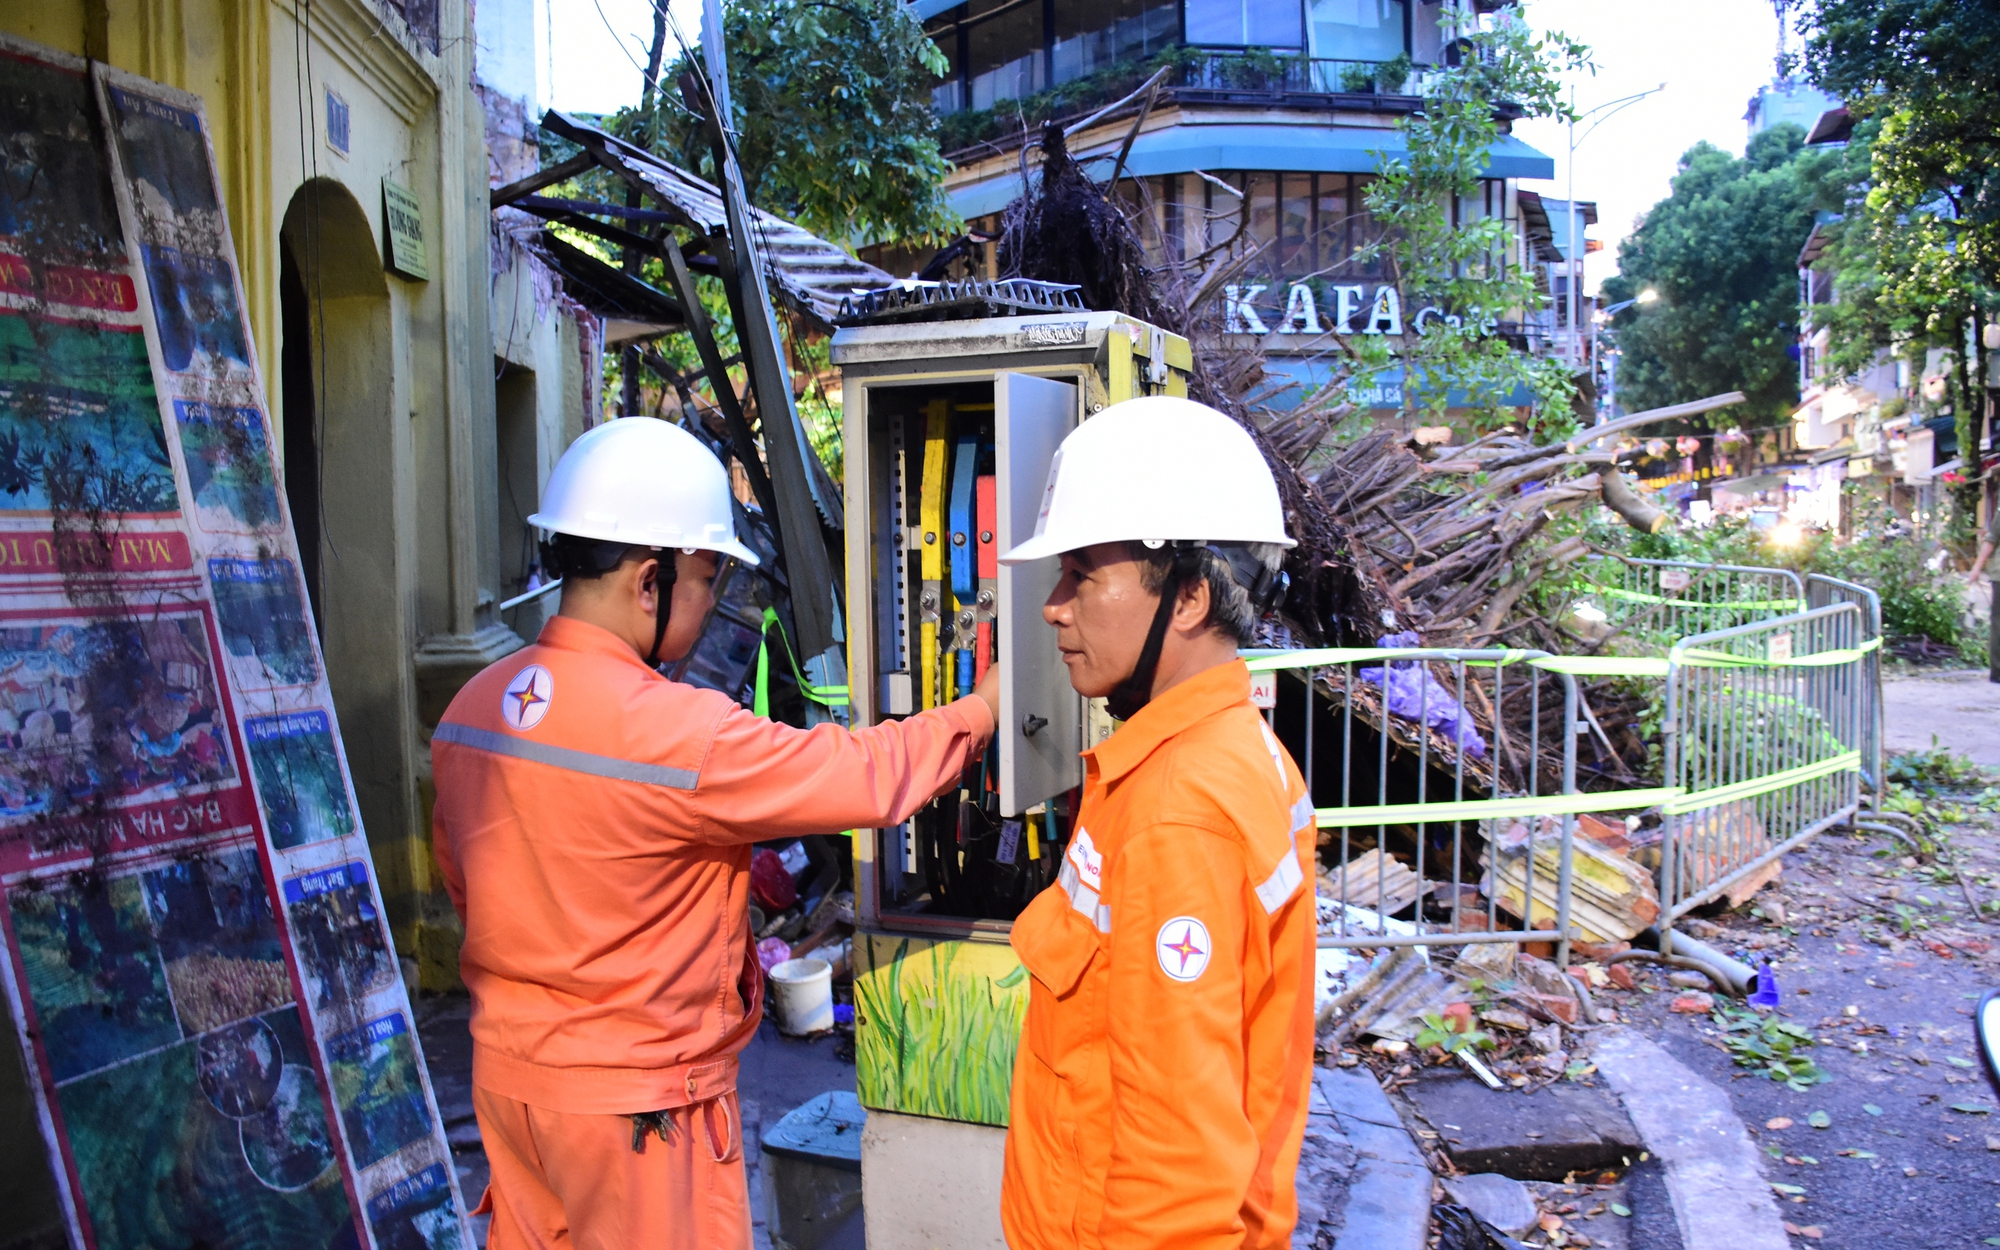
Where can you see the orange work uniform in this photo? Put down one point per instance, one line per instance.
(1159, 1094)
(593, 824)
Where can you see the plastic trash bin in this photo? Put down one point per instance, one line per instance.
(812, 1165)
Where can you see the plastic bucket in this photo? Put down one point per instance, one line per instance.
(802, 996)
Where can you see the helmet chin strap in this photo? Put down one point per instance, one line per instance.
(668, 570)
(1136, 691)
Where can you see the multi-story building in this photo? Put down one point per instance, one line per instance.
(1866, 425)
(1567, 327)
(1272, 121)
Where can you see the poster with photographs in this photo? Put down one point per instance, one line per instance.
(197, 966)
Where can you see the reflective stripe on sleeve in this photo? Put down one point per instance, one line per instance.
(1083, 899)
(1283, 880)
(562, 757)
(1303, 818)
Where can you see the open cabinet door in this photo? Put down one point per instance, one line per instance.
(1040, 713)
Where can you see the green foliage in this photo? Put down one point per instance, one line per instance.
(1722, 251)
(1884, 554)
(1438, 1031)
(1934, 770)
(832, 113)
(1926, 66)
(1772, 1046)
(1918, 601)
(1460, 266)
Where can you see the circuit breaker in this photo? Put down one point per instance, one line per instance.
(951, 429)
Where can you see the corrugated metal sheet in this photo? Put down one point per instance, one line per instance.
(804, 270)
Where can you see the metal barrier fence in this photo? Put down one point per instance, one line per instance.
(1821, 591)
(1763, 733)
(1768, 726)
(1676, 598)
(1387, 718)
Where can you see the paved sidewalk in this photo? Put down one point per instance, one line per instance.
(1363, 1185)
(1715, 1178)
(1959, 708)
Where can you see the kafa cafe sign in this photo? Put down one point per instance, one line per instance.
(1244, 312)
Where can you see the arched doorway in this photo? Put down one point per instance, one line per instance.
(343, 460)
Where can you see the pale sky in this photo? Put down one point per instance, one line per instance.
(1712, 54)
(588, 68)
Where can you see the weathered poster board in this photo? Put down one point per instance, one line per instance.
(222, 1051)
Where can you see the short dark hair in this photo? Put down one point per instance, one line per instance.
(568, 556)
(1229, 608)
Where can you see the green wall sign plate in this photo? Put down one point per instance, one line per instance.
(403, 224)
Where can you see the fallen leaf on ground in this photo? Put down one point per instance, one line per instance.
(1778, 1122)
(1820, 1119)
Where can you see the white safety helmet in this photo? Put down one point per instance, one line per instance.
(646, 482)
(1156, 469)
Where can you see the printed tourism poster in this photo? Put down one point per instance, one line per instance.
(196, 966)
(228, 466)
(299, 774)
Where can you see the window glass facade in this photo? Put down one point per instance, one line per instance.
(1245, 23)
(1003, 55)
(1304, 225)
(1002, 50)
(1358, 30)
(1088, 37)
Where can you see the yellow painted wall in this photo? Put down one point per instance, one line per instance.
(407, 615)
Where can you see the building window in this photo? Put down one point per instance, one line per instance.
(949, 95)
(1296, 253)
(1358, 30)
(1246, 23)
(1090, 37)
(338, 136)
(1004, 56)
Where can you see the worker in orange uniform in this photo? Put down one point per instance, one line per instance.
(1159, 1095)
(593, 824)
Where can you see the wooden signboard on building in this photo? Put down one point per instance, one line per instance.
(220, 1047)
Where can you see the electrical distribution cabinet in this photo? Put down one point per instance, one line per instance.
(951, 429)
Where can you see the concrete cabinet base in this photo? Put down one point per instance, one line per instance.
(931, 1184)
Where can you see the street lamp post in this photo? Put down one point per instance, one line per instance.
(1604, 315)
(1573, 248)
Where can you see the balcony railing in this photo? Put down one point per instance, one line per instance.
(1266, 74)
(1200, 76)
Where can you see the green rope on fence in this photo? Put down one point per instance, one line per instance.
(1575, 665)
(1672, 800)
(1702, 657)
(1847, 761)
(1640, 596)
(1493, 809)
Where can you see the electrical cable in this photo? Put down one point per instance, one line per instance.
(309, 159)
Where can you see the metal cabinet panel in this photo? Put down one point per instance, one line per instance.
(1040, 713)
